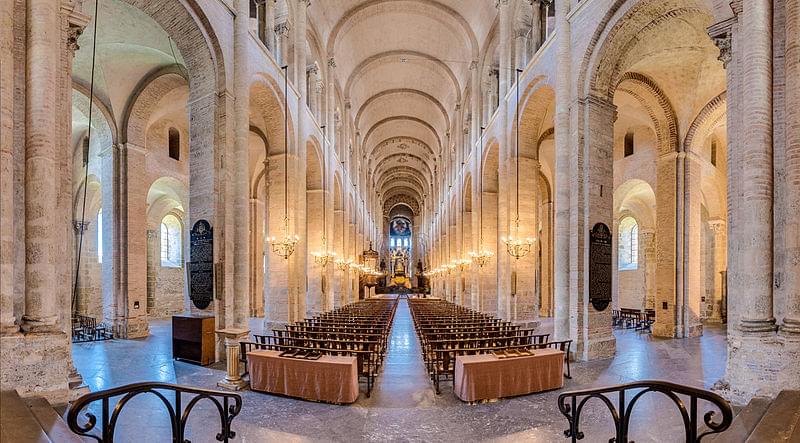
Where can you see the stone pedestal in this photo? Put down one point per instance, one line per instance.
(232, 336)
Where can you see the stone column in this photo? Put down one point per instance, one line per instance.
(282, 43)
(269, 24)
(276, 299)
(42, 47)
(233, 378)
(314, 297)
(7, 219)
(506, 76)
(791, 319)
(647, 244)
(561, 185)
(255, 262)
(593, 203)
(546, 259)
(536, 26)
(299, 45)
(692, 227)
(475, 106)
(757, 182)
(488, 284)
(719, 253)
(241, 227)
(132, 295)
(525, 304)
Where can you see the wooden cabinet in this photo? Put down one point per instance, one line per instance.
(193, 339)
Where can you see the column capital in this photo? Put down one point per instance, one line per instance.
(722, 33)
(331, 62)
(283, 29)
(305, 3)
(473, 65)
(80, 226)
(717, 225)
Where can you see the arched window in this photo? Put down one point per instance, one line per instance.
(629, 147)
(100, 236)
(714, 151)
(628, 256)
(174, 140)
(171, 244)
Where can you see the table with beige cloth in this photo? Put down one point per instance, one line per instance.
(484, 376)
(331, 379)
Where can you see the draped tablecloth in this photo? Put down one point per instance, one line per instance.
(332, 379)
(484, 376)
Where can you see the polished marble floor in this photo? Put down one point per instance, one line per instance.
(403, 405)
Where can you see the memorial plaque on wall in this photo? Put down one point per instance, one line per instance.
(201, 266)
(600, 266)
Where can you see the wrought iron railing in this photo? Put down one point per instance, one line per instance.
(179, 408)
(571, 405)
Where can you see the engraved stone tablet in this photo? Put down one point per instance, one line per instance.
(201, 266)
(600, 266)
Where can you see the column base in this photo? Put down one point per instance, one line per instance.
(39, 324)
(757, 326)
(790, 326)
(234, 385)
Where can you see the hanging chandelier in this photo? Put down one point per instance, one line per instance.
(515, 246)
(481, 256)
(286, 246)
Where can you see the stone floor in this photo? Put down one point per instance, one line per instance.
(403, 405)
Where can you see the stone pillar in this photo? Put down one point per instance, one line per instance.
(719, 251)
(593, 203)
(475, 106)
(488, 284)
(314, 297)
(233, 378)
(525, 304)
(300, 46)
(276, 299)
(282, 43)
(7, 219)
(791, 319)
(132, 228)
(561, 185)
(692, 227)
(240, 176)
(757, 183)
(269, 25)
(536, 26)
(545, 273)
(504, 12)
(647, 239)
(42, 46)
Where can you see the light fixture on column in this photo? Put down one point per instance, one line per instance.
(323, 257)
(481, 256)
(515, 246)
(285, 247)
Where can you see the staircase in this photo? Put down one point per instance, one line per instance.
(31, 420)
(764, 420)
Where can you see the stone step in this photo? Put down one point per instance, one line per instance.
(53, 424)
(17, 422)
(781, 422)
(743, 423)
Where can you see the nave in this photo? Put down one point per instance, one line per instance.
(403, 405)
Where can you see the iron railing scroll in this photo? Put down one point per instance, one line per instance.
(571, 405)
(178, 400)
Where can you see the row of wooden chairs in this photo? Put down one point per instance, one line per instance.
(447, 330)
(628, 318)
(85, 328)
(359, 329)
